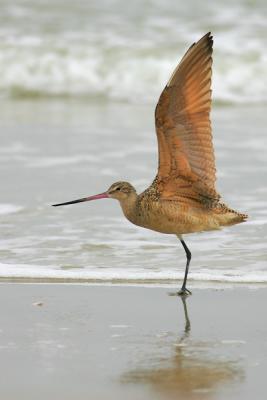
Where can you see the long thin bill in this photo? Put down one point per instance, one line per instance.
(96, 197)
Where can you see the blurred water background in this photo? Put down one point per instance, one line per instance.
(79, 84)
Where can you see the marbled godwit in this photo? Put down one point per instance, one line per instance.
(182, 198)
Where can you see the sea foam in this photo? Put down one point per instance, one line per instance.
(100, 52)
(126, 276)
(9, 209)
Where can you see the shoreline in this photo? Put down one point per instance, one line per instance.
(148, 283)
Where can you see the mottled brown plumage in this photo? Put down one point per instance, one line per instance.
(182, 198)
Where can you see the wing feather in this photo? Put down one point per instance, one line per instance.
(186, 155)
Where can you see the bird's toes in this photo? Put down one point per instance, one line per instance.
(184, 292)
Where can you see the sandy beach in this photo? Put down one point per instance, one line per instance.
(112, 342)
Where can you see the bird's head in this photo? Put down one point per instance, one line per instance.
(119, 190)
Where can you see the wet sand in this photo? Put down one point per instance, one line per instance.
(136, 343)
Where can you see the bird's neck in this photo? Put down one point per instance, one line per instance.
(129, 207)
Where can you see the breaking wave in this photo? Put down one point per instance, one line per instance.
(127, 57)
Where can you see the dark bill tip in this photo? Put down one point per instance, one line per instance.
(69, 202)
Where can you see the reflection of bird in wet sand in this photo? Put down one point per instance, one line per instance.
(182, 198)
(192, 372)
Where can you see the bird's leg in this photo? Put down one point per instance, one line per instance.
(187, 327)
(183, 291)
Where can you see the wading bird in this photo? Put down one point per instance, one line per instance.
(182, 198)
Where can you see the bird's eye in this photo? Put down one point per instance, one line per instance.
(118, 188)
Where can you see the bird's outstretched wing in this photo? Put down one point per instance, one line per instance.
(186, 156)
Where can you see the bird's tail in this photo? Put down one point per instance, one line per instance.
(229, 216)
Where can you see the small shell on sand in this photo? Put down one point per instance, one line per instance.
(38, 303)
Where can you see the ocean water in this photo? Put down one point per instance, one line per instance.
(79, 83)
(115, 51)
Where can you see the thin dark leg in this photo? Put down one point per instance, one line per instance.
(183, 290)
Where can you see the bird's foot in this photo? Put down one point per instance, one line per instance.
(184, 292)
